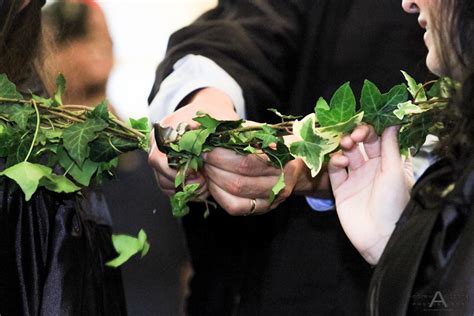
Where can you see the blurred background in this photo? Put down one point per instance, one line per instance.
(112, 52)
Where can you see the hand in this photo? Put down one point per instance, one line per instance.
(371, 192)
(208, 100)
(235, 180)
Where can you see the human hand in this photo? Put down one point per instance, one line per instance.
(370, 192)
(242, 184)
(208, 100)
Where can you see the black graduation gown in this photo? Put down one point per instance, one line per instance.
(427, 267)
(286, 54)
(53, 251)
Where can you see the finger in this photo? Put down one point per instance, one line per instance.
(371, 141)
(248, 165)
(234, 205)
(337, 170)
(241, 186)
(158, 161)
(390, 150)
(408, 167)
(352, 151)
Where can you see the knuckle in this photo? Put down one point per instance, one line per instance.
(236, 186)
(245, 165)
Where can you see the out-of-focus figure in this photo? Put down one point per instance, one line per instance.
(83, 49)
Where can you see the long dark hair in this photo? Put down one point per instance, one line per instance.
(456, 45)
(19, 38)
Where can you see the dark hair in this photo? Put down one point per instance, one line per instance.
(456, 46)
(19, 38)
(67, 20)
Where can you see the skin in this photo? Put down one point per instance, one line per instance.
(371, 192)
(93, 61)
(233, 180)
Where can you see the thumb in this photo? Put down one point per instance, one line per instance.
(390, 150)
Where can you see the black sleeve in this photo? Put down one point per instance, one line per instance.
(252, 40)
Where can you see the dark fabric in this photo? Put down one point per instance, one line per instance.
(285, 54)
(428, 264)
(53, 251)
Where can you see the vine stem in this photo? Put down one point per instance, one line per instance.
(279, 126)
(62, 111)
(36, 130)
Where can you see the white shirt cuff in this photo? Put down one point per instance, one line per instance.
(190, 73)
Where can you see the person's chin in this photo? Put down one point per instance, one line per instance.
(433, 64)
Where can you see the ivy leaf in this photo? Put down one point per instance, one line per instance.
(45, 101)
(180, 200)
(8, 88)
(27, 175)
(341, 108)
(60, 88)
(80, 175)
(128, 246)
(59, 184)
(107, 147)
(413, 134)
(313, 147)
(77, 137)
(280, 185)
(416, 89)
(267, 139)
(336, 131)
(207, 122)
(141, 125)
(9, 139)
(192, 141)
(379, 108)
(18, 113)
(101, 111)
(279, 156)
(407, 108)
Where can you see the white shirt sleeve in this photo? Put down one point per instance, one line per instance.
(190, 73)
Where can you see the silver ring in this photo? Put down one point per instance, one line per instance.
(253, 207)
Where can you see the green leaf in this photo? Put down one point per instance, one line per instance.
(379, 108)
(280, 185)
(27, 175)
(59, 184)
(101, 111)
(60, 88)
(407, 108)
(8, 88)
(82, 175)
(416, 89)
(336, 131)
(313, 147)
(45, 101)
(20, 114)
(107, 147)
(180, 200)
(413, 134)
(279, 156)
(207, 122)
(9, 139)
(127, 246)
(267, 139)
(341, 108)
(192, 141)
(141, 125)
(77, 137)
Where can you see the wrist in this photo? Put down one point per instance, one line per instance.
(212, 101)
